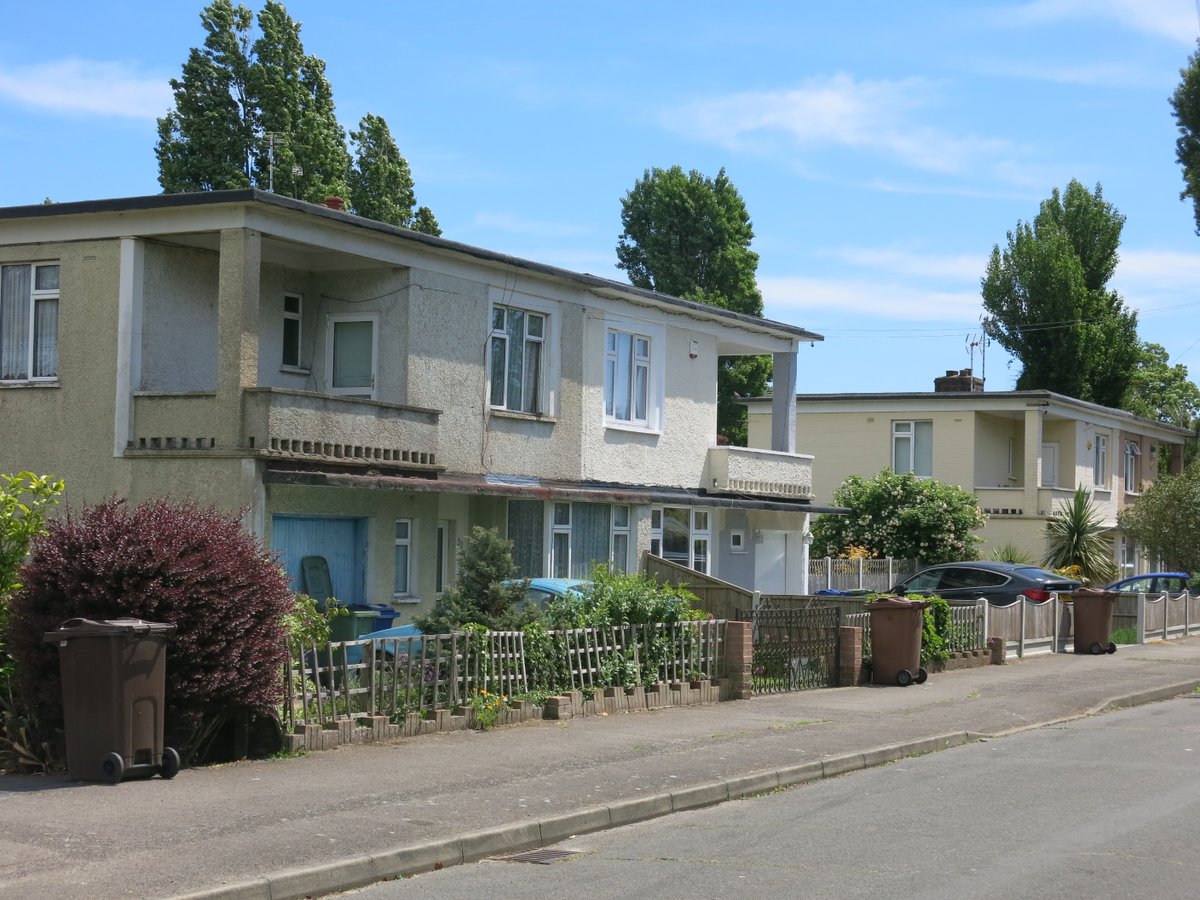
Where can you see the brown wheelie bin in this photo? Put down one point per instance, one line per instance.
(113, 685)
(1093, 618)
(896, 627)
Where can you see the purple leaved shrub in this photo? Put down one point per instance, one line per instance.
(161, 561)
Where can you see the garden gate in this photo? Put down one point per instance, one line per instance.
(794, 649)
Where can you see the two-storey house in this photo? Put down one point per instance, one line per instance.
(367, 394)
(1021, 452)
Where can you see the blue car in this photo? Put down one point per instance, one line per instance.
(1152, 583)
(544, 591)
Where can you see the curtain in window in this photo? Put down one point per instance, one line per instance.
(526, 531)
(515, 332)
(676, 534)
(14, 321)
(352, 363)
(45, 338)
(923, 449)
(590, 530)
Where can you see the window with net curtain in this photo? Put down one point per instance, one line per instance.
(580, 533)
(352, 369)
(28, 322)
(516, 349)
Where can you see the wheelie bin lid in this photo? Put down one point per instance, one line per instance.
(74, 628)
(896, 603)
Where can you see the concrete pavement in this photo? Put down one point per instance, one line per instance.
(330, 821)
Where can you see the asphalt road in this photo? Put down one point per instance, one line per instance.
(1107, 806)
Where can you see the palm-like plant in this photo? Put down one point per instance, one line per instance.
(1076, 538)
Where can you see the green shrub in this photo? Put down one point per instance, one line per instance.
(623, 598)
(481, 597)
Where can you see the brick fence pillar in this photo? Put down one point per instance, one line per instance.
(739, 656)
(852, 653)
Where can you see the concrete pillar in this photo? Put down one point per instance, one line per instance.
(1032, 479)
(237, 326)
(783, 403)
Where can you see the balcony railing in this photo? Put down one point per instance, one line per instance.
(766, 473)
(287, 424)
(316, 426)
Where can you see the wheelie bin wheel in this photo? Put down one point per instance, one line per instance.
(1097, 648)
(169, 767)
(922, 675)
(904, 678)
(1112, 648)
(113, 768)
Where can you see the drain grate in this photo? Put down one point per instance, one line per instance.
(541, 857)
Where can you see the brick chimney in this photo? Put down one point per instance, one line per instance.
(335, 203)
(958, 382)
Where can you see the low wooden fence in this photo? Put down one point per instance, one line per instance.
(395, 676)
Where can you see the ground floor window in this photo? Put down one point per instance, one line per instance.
(401, 579)
(565, 539)
(682, 535)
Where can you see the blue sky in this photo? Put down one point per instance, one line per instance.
(882, 149)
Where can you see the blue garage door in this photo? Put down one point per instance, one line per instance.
(341, 541)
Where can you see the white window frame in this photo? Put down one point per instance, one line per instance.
(298, 318)
(1132, 452)
(620, 534)
(332, 321)
(1100, 461)
(550, 311)
(407, 543)
(30, 340)
(654, 365)
(700, 520)
(904, 431)
(737, 541)
(1049, 452)
(559, 529)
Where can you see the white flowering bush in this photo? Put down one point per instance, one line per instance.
(902, 516)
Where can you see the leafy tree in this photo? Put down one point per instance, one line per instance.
(205, 142)
(1164, 523)
(689, 235)
(1050, 306)
(1165, 393)
(25, 499)
(193, 567)
(293, 99)
(1186, 105)
(381, 185)
(902, 516)
(261, 114)
(1076, 538)
(481, 596)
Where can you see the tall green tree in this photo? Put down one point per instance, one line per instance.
(1165, 393)
(381, 184)
(260, 113)
(1186, 105)
(295, 101)
(689, 235)
(1049, 304)
(205, 143)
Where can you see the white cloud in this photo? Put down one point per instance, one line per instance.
(1172, 19)
(792, 299)
(873, 117)
(904, 262)
(87, 86)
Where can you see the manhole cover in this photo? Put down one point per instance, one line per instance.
(541, 857)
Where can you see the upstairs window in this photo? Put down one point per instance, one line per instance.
(1132, 453)
(912, 448)
(352, 355)
(29, 322)
(517, 349)
(627, 377)
(293, 307)
(1100, 461)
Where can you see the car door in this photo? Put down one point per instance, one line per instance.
(967, 583)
